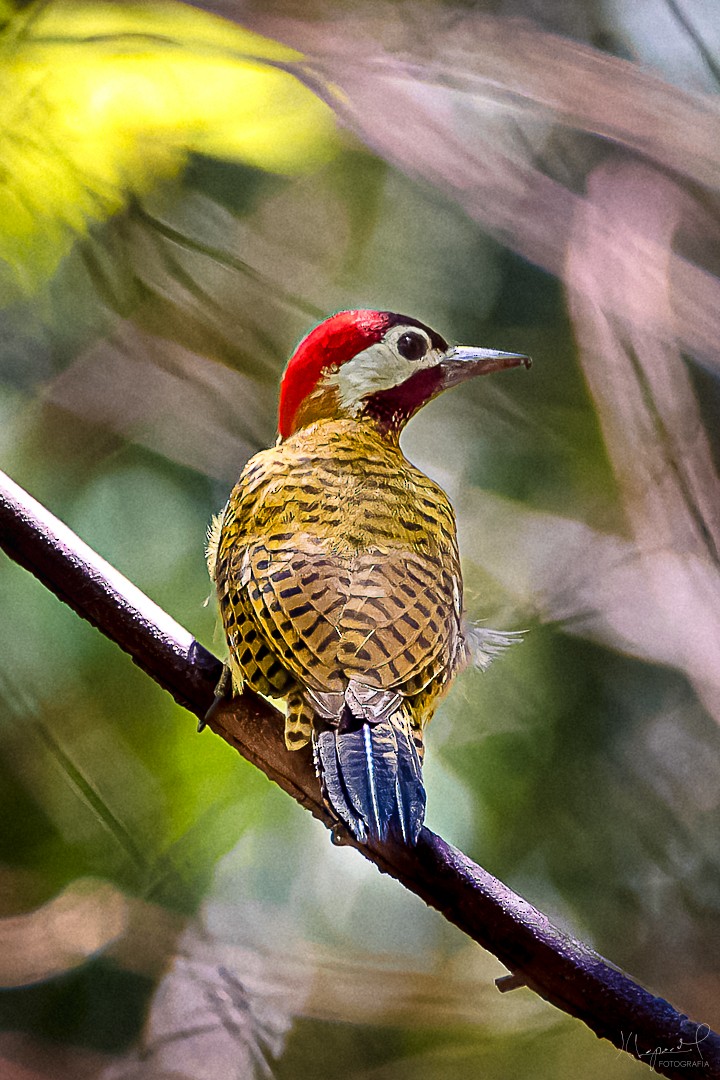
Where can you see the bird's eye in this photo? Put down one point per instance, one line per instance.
(412, 346)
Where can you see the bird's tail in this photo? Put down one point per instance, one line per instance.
(371, 776)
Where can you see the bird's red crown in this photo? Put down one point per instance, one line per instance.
(333, 343)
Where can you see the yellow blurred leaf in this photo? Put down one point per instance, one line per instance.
(99, 101)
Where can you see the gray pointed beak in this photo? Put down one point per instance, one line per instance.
(464, 362)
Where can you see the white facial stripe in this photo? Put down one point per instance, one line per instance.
(379, 367)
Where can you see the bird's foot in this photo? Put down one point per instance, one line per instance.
(223, 693)
(340, 835)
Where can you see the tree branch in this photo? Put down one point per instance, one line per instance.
(561, 969)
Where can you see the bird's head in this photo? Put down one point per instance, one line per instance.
(378, 365)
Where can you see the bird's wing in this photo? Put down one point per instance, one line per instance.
(400, 625)
(387, 619)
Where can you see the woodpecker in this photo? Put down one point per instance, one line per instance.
(337, 569)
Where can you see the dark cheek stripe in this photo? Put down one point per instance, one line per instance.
(396, 405)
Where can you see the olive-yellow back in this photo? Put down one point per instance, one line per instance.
(336, 565)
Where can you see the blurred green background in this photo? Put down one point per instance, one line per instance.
(184, 191)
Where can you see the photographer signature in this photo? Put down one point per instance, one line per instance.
(629, 1043)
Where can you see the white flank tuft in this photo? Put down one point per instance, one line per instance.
(483, 645)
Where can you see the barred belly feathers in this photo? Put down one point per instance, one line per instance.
(337, 569)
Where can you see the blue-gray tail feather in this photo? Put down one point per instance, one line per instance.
(410, 796)
(371, 777)
(333, 785)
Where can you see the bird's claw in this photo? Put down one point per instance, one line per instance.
(223, 693)
(339, 835)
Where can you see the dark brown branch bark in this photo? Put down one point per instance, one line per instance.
(562, 970)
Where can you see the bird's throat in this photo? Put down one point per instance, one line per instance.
(392, 408)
